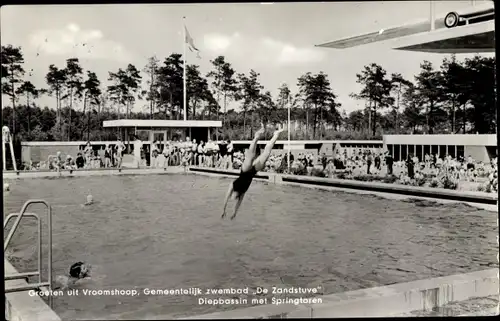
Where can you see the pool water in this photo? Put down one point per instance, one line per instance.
(165, 232)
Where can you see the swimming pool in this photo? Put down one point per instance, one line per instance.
(165, 232)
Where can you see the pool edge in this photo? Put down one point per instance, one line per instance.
(476, 199)
(94, 172)
(486, 201)
(21, 306)
(384, 301)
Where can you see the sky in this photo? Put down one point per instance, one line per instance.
(277, 40)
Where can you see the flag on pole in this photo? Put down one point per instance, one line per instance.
(190, 42)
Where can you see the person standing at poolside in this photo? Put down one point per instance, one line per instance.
(369, 162)
(410, 166)
(194, 154)
(120, 147)
(377, 161)
(166, 154)
(58, 162)
(107, 156)
(251, 165)
(80, 161)
(324, 160)
(101, 153)
(223, 154)
(87, 150)
(187, 149)
(137, 151)
(389, 161)
(201, 153)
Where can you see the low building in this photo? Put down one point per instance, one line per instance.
(317, 147)
(479, 147)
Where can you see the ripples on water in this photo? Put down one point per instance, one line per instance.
(165, 231)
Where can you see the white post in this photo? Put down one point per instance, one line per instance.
(12, 153)
(3, 157)
(289, 163)
(432, 15)
(184, 69)
(151, 145)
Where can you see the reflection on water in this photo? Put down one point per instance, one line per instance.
(165, 232)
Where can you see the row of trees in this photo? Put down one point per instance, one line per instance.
(451, 99)
(456, 97)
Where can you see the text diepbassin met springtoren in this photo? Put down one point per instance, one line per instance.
(258, 301)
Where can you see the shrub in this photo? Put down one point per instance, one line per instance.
(449, 183)
(481, 188)
(434, 183)
(341, 176)
(420, 181)
(389, 179)
(282, 168)
(363, 178)
(316, 172)
(405, 180)
(299, 170)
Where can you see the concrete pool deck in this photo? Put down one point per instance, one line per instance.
(92, 172)
(21, 306)
(485, 306)
(385, 301)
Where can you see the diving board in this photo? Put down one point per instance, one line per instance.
(473, 33)
(471, 38)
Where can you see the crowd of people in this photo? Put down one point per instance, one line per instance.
(87, 158)
(172, 153)
(432, 170)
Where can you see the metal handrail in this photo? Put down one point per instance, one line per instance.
(9, 238)
(28, 274)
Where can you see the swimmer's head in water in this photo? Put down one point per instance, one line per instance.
(79, 270)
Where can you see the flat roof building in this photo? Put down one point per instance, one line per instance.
(479, 147)
(164, 130)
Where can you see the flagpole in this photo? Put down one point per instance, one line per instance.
(184, 69)
(432, 15)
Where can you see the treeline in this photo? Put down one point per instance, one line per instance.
(457, 97)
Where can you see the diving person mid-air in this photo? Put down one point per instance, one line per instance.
(252, 164)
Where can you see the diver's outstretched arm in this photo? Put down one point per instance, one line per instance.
(228, 195)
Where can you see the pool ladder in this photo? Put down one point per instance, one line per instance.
(40, 285)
